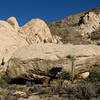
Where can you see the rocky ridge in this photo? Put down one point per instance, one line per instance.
(79, 28)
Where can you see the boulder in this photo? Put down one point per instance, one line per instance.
(9, 41)
(46, 60)
(19, 94)
(84, 75)
(36, 31)
(12, 36)
(13, 22)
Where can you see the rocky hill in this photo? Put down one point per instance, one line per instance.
(82, 28)
(12, 36)
(36, 53)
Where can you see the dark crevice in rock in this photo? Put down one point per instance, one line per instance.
(18, 81)
(53, 72)
(81, 21)
(22, 81)
(2, 63)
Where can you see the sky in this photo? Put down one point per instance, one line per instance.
(47, 10)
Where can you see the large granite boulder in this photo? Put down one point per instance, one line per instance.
(36, 31)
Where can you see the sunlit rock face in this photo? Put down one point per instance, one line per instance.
(46, 60)
(36, 31)
(12, 36)
(90, 22)
(9, 40)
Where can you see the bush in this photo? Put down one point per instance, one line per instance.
(2, 83)
(45, 95)
(2, 92)
(95, 74)
(4, 80)
(82, 91)
(86, 90)
(66, 75)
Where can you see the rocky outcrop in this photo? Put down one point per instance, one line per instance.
(89, 23)
(9, 41)
(36, 31)
(46, 60)
(12, 36)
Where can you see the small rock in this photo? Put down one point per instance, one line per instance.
(20, 94)
(84, 75)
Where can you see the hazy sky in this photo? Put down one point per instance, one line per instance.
(48, 10)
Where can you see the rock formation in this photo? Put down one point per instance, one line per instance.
(9, 40)
(78, 29)
(46, 60)
(12, 36)
(36, 31)
(89, 23)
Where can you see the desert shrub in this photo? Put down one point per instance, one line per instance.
(2, 83)
(66, 75)
(95, 74)
(86, 90)
(4, 80)
(45, 95)
(2, 92)
(82, 91)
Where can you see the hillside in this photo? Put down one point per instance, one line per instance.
(79, 28)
